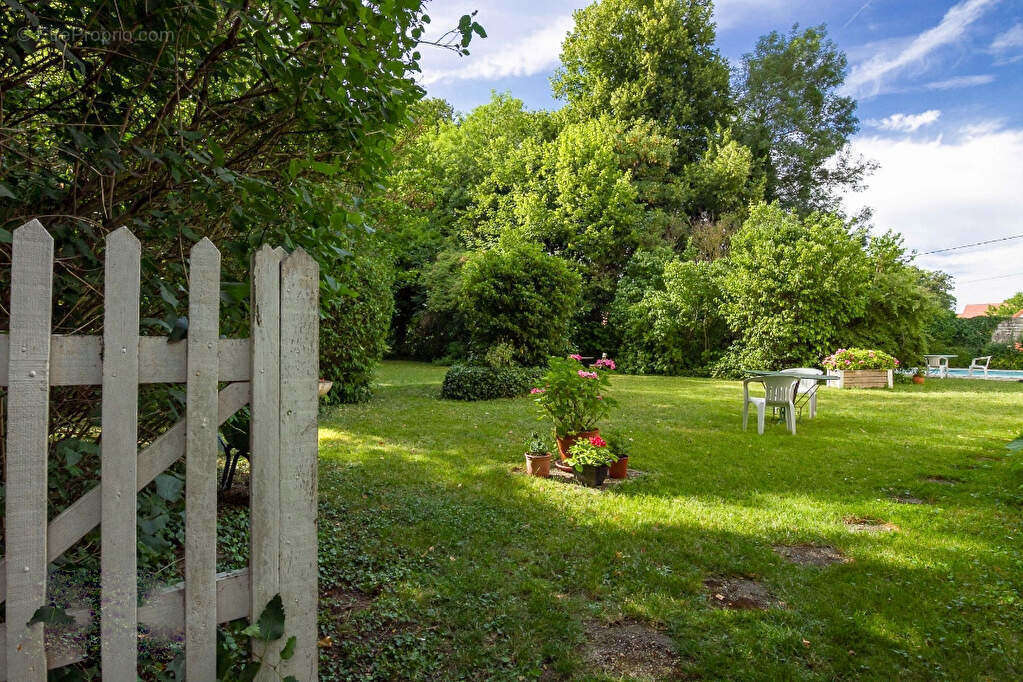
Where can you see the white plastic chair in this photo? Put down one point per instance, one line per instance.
(980, 363)
(939, 364)
(777, 393)
(806, 386)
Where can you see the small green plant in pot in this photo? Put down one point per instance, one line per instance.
(575, 398)
(590, 459)
(538, 457)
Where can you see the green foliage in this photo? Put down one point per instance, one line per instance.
(901, 302)
(573, 397)
(792, 286)
(518, 295)
(353, 328)
(790, 113)
(859, 358)
(469, 382)
(965, 337)
(537, 445)
(592, 452)
(651, 59)
(676, 327)
(619, 443)
(722, 181)
(1008, 307)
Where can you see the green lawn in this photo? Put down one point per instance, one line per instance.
(438, 561)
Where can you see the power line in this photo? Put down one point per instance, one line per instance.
(976, 243)
(985, 279)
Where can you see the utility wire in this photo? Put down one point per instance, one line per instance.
(984, 279)
(976, 243)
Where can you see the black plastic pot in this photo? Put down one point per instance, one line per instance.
(592, 476)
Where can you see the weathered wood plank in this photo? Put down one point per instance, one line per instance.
(69, 647)
(83, 515)
(201, 464)
(163, 613)
(265, 444)
(298, 423)
(78, 360)
(119, 458)
(27, 443)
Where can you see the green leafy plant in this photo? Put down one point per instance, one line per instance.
(537, 445)
(619, 444)
(859, 358)
(574, 397)
(590, 452)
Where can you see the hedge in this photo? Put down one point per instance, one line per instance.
(466, 382)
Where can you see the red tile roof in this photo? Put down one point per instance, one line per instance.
(977, 309)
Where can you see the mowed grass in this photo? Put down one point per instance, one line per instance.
(437, 561)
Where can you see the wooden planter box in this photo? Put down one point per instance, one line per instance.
(862, 378)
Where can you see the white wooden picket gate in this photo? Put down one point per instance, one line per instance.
(275, 372)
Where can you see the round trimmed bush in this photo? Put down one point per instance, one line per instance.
(467, 382)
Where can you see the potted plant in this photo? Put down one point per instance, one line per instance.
(590, 459)
(619, 445)
(861, 368)
(574, 397)
(919, 375)
(538, 457)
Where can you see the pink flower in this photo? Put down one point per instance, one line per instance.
(576, 357)
(605, 362)
(598, 442)
(600, 397)
(535, 391)
(587, 375)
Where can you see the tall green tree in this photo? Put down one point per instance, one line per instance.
(792, 115)
(652, 59)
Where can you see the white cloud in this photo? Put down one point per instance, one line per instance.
(960, 82)
(949, 191)
(1008, 46)
(868, 78)
(907, 123)
(535, 53)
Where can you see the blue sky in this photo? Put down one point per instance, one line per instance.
(940, 91)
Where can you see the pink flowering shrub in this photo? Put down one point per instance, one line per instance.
(573, 397)
(859, 358)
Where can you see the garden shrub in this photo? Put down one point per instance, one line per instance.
(353, 329)
(793, 284)
(518, 295)
(470, 382)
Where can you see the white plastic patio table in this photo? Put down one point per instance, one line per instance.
(937, 358)
(795, 376)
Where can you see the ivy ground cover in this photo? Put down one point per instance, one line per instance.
(883, 541)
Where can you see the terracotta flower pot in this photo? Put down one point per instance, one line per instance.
(619, 469)
(917, 379)
(591, 476)
(538, 465)
(565, 442)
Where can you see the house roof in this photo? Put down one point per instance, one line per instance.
(977, 309)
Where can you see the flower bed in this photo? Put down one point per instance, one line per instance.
(861, 368)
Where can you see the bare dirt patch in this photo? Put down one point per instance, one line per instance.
(906, 498)
(867, 524)
(631, 649)
(343, 603)
(812, 555)
(568, 477)
(739, 594)
(944, 480)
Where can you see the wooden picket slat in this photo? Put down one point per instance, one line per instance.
(119, 457)
(265, 445)
(83, 515)
(27, 443)
(78, 360)
(201, 464)
(298, 424)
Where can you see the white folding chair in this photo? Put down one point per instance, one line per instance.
(806, 387)
(980, 363)
(777, 393)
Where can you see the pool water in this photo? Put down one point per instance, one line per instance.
(1013, 374)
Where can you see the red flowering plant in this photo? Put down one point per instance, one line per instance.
(590, 452)
(574, 396)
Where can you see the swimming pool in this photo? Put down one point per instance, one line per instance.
(1002, 374)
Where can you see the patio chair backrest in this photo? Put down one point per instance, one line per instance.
(804, 384)
(778, 390)
(982, 361)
